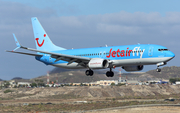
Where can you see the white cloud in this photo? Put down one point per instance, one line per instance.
(117, 29)
(122, 23)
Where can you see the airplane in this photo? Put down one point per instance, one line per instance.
(129, 57)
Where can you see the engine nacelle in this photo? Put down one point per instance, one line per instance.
(98, 63)
(133, 68)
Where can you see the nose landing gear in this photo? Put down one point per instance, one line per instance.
(160, 64)
(158, 69)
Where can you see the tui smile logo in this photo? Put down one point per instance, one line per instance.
(37, 39)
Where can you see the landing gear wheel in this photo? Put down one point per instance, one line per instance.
(89, 72)
(109, 74)
(158, 70)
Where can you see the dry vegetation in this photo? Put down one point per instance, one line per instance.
(85, 98)
(80, 107)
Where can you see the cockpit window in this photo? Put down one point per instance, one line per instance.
(163, 50)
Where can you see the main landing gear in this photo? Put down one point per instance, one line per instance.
(89, 72)
(110, 73)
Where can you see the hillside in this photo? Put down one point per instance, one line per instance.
(166, 72)
(78, 99)
(73, 76)
(130, 91)
(60, 70)
(16, 78)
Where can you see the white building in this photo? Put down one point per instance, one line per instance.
(177, 82)
(107, 82)
(23, 83)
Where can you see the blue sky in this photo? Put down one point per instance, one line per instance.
(73, 23)
(94, 7)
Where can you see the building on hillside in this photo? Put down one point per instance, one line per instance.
(107, 82)
(2, 83)
(49, 85)
(125, 81)
(158, 81)
(178, 82)
(133, 82)
(122, 81)
(93, 83)
(153, 81)
(20, 82)
(12, 83)
(76, 84)
(24, 84)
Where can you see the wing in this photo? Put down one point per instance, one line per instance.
(69, 58)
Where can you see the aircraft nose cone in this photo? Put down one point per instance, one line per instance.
(171, 54)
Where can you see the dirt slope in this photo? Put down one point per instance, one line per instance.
(91, 92)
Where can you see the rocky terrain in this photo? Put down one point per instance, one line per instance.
(84, 92)
(77, 98)
(78, 76)
(166, 72)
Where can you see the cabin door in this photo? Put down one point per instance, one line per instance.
(150, 52)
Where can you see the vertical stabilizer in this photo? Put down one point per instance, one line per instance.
(42, 40)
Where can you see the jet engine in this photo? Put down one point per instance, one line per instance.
(133, 68)
(98, 63)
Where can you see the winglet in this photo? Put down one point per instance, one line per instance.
(17, 43)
